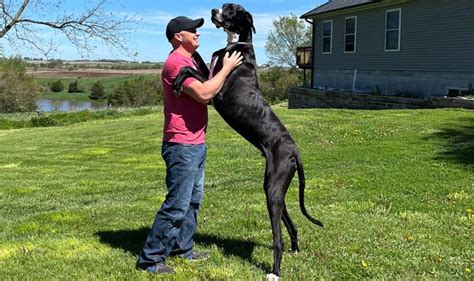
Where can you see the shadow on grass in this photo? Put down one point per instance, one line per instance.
(242, 249)
(459, 142)
(132, 241)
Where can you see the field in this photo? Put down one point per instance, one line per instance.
(394, 189)
(109, 80)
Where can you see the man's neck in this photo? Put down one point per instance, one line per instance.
(184, 52)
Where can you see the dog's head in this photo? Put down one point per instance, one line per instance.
(233, 18)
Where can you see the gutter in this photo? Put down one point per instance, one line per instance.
(309, 14)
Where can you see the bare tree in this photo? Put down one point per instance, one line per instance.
(288, 33)
(23, 22)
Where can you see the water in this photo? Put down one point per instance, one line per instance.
(46, 105)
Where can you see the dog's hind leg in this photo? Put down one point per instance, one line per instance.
(278, 176)
(290, 226)
(275, 209)
(292, 230)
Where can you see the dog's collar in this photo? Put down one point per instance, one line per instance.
(238, 43)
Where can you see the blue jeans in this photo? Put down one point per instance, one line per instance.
(175, 223)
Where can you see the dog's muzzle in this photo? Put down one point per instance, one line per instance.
(216, 18)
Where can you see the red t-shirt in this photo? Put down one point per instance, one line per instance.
(185, 118)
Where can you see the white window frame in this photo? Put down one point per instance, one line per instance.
(355, 34)
(330, 38)
(399, 29)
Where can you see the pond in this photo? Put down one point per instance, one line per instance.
(46, 105)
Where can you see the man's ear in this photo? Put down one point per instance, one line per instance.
(250, 20)
(177, 37)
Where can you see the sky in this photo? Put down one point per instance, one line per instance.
(149, 40)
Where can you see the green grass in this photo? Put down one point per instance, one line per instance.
(394, 189)
(52, 119)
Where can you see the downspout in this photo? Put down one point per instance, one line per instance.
(354, 80)
(313, 50)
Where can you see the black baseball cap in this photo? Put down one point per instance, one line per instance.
(181, 23)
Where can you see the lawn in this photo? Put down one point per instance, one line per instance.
(394, 189)
(109, 83)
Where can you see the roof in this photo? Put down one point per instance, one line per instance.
(334, 5)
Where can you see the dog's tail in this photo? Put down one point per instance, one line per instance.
(301, 178)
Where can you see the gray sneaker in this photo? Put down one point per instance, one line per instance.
(159, 268)
(198, 256)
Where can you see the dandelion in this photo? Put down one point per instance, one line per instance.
(470, 214)
(365, 264)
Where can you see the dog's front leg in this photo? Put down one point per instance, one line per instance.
(184, 73)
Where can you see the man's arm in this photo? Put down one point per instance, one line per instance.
(204, 92)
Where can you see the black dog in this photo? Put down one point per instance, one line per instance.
(242, 106)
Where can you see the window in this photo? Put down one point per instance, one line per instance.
(392, 29)
(350, 35)
(327, 37)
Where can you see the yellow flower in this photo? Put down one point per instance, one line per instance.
(365, 264)
(409, 238)
(470, 214)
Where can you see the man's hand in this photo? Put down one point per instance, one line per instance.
(231, 62)
(204, 92)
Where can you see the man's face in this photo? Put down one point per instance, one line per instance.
(189, 38)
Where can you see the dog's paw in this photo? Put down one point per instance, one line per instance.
(177, 92)
(272, 277)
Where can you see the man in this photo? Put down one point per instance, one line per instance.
(183, 149)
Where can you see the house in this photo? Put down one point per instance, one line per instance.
(417, 48)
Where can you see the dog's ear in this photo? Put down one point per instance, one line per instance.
(250, 20)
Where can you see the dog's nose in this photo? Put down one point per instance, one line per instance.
(215, 12)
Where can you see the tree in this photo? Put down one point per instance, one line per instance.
(18, 90)
(288, 33)
(97, 91)
(23, 21)
(140, 91)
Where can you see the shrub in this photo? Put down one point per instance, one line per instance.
(18, 90)
(97, 91)
(141, 91)
(74, 87)
(44, 121)
(55, 64)
(274, 83)
(57, 86)
(408, 94)
(376, 91)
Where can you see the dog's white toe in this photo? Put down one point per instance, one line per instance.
(272, 277)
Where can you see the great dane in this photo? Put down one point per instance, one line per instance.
(242, 106)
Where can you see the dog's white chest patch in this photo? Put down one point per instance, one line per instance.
(232, 37)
